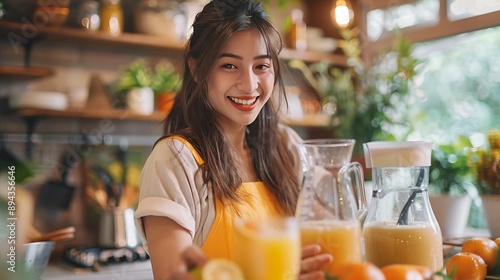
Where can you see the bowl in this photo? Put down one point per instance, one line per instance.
(51, 100)
(35, 257)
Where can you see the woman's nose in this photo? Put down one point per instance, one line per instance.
(247, 82)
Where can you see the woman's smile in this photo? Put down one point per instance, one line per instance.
(245, 104)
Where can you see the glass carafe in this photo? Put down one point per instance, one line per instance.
(332, 190)
(400, 226)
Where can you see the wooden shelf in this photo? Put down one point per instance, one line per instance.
(316, 120)
(157, 116)
(117, 114)
(16, 73)
(91, 38)
(139, 40)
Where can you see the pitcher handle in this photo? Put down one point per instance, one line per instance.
(356, 169)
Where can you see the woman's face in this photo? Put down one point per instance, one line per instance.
(241, 81)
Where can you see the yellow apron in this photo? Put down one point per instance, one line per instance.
(257, 202)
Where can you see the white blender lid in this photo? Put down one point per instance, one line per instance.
(397, 154)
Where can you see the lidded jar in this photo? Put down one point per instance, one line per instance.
(400, 226)
(164, 18)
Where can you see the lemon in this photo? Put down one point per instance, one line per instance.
(221, 269)
(196, 273)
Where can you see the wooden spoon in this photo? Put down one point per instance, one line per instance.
(56, 235)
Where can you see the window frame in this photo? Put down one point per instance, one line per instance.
(444, 27)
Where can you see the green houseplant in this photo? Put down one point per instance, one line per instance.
(166, 82)
(371, 103)
(143, 84)
(485, 163)
(135, 86)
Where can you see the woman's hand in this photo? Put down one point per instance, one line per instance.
(192, 257)
(312, 262)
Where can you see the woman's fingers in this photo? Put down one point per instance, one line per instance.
(310, 250)
(316, 275)
(315, 263)
(193, 256)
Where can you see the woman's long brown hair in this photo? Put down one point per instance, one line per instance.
(193, 117)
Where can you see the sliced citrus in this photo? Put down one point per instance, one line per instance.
(221, 269)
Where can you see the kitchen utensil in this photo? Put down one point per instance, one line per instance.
(109, 186)
(117, 228)
(34, 259)
(57, 194)
(400, 226)
(56, 235)
(122, 156)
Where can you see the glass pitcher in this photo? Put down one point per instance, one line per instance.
(400, 226)
(332, 190)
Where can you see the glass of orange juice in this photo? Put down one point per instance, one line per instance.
(268, 248)
(341, 239)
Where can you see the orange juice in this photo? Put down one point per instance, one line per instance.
(341, 239)
(411, 244)
(264, 250)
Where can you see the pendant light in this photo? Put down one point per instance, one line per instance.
(342, 13)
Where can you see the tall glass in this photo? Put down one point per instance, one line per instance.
(268, 249)
(332, 200)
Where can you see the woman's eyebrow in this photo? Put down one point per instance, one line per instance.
(239, 57)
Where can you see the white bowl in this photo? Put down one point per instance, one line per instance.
(39, 99)
(322, 44)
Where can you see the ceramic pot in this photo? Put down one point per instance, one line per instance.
(452, 214)
(165, 101)
(141, 101)
(491, 207)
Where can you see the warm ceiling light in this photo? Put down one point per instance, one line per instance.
(342, 13)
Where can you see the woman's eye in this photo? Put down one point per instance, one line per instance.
(263, 66)
(229, 66)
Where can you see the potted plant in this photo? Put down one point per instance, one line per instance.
(370, 103)
(136, 81)
(450, 182)
(485, 163)
(166, 82)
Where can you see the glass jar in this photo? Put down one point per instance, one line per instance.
(111, 15)
(161, 18)
(400, 226)
(88, 15)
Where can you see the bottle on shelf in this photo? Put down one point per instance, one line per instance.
(296, 37)
(111, 15)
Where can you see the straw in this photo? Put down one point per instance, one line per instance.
(403, 217)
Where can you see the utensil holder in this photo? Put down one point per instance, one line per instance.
(117, 229)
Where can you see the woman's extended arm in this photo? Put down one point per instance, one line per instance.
(166, 242)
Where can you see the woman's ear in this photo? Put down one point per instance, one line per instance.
(192, 68)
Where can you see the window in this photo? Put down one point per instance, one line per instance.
(459, 9)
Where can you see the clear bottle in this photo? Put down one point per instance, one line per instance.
(297, 35)
(111, 15)
(400, 226)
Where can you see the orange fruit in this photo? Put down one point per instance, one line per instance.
(484, 247)
(356, 271)
(497, 241)
(466, 266)
(406, 272)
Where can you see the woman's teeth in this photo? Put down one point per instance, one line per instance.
(243, 101)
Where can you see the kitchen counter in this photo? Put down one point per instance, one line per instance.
(122, 271)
